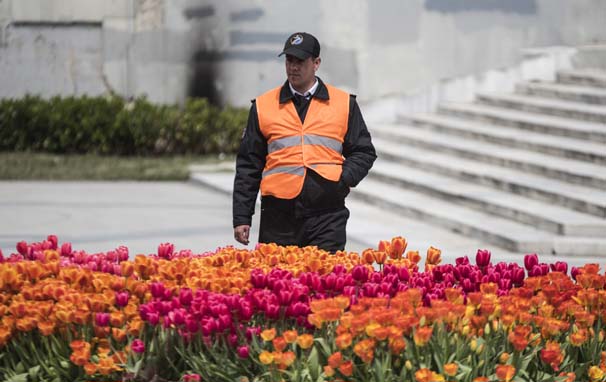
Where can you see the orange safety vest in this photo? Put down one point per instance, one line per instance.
(293, 147)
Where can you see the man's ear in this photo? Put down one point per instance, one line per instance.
(317, 62)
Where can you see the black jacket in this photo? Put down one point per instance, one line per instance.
(318, 194)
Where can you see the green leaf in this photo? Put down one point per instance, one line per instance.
(18, 378)
(313, 363)
(33, 372)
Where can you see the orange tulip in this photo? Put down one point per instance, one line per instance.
(380, 257)
(344, 341)
(46, 328)
(287, 358)
(505, 372)
(329, 371)
(384, 246)
(397, 345)
(596, 374)
(346, 368)
(279, 343)
(305, 341)
(290, 336)
(422, 335)
(368, 256)
(450, 369)
(5, 335)
(413, 257)
(397, 248)
(268, 334)
(552, 355)
(335, 360)
(434, 256)
(266, 357)
(90, 368)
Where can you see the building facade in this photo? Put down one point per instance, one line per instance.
(169, 50)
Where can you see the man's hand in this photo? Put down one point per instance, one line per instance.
(241, 233)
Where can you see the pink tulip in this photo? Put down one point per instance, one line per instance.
(177, 316)
(137, 346)
(462, 260)
(66, 249)
(122, 253)
(165, 250)
(122, 298)
(243, 352)
(22, 248)
(530, 260)
(191, 378)
(191, 324)
(157, 290)
(360, 273)
(559, 266)
(102, 319)
(53, 240)
(186, 296)
(482, 258)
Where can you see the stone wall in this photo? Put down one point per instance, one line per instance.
(227, 50)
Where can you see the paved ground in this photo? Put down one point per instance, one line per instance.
(99, 216)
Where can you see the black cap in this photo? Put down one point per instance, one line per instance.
(301, 45)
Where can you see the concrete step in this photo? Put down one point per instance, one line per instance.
(368, 224)
(590, 131)
(565, 147)
(579, 198)
(513, 236)
(576, 93)
(580, 246)
(405, 167)
(534, 104)
(568, 170)
(585, 77)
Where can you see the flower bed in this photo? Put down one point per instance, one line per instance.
(296, 314)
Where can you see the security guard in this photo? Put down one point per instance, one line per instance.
(305, 145)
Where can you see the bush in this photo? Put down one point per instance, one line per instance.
(113, 126)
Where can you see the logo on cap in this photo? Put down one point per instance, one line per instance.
(296, 39)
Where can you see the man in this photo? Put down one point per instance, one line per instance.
(305, 145)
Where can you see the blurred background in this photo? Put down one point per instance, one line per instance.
(158, 90)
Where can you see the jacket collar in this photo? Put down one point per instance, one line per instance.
(321, 92)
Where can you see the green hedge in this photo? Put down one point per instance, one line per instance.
(114, 126)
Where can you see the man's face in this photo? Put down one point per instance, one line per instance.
(301, 73)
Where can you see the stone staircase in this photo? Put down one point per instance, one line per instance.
(524, 171)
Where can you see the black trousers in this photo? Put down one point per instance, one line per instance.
(326, 231)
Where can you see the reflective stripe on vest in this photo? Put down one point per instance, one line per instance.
(308, 139)
(292, 146)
